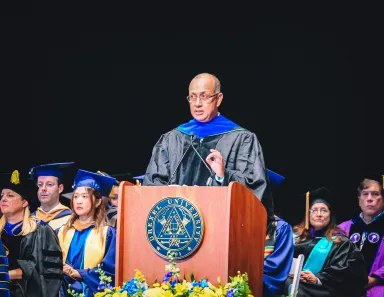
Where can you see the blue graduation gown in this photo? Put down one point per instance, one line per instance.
(90, 278)
(278, 264)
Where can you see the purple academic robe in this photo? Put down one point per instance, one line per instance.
(377, 267)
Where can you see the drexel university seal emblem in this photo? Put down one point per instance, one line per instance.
(174, 224)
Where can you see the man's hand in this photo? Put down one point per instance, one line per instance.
(15, 274)
(372, 281)
(215, 160)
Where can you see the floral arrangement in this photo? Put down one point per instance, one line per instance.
(172, 285)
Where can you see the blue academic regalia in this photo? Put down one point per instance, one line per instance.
(90, 278)
(278, 264)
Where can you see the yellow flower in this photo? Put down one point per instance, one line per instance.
(207, 292)
(139, 275)
(181, 288)
(156, 285)
(165, 286)
(100, 294)
(168, 294)
(154, 292)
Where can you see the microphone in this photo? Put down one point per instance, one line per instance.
(178, 164)
(209, 180)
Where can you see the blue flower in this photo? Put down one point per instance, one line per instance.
(230, 293)
(131, 287)
(167, 276)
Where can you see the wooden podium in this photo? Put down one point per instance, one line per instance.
(234, 234)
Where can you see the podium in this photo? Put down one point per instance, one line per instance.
(233, 239)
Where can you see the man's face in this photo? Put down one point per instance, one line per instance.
(48, 189)
(204, 111)
(370, 201)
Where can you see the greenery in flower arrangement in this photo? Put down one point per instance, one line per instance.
(171, 286)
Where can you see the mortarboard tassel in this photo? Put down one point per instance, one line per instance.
(15, 178)
(382, 184)
(307, 210)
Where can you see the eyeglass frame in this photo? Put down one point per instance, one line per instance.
(202, 100)
(316, 211)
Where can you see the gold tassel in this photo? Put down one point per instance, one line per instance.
(138, 183)
(383, 181)
(307, 210)
(15, 178)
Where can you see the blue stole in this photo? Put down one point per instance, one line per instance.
(318, 255)
(218, 125)
(77, 247)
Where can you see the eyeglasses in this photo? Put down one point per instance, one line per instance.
(374, 194)
(322, 211)
(48, 185)
(205, 98)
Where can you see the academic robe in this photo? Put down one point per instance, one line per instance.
(55, 218)
(84, 250)
(343, 273)
(4, 276)
(278, 262)
(372, 247)
(39, 256)
(111, 214)
(240, 148)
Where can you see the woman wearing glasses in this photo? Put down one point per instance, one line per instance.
(86, 239)
(33, 252)
(333, 266)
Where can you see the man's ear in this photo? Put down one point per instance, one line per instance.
(61, 188)
(220, 97)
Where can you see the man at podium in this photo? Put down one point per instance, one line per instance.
(209, 150)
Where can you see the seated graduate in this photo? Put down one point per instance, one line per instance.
(4, 276)
(333, 266)
(279, 248)
(49, 181)
(86, 239)
(34, 254)
(367, 230)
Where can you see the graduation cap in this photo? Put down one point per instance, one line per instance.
(139, 179)
(19, 183)
(275, 178)
(320, 195)
(97, 181)
(119, 178)
(53, 169)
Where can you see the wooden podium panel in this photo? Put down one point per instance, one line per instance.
(234, 233)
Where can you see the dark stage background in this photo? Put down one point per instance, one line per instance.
(102, 98)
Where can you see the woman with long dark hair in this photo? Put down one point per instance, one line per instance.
(333, 266)
(86, 239)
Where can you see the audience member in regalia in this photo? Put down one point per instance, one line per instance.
(367, 231)
(86, 239)
(49, 181)
(4, 275)
(333, 266)
(278, 253)
(34, 254)
(111, 202)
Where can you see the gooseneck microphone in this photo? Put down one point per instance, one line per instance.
(178, 164)
(209, 180)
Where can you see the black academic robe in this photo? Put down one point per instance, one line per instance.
(39, 256)
(241, 151)
(343, 274)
